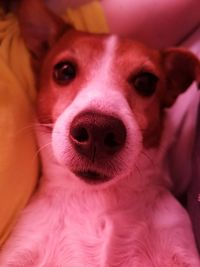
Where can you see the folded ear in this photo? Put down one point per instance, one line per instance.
(181, 68)
(40, 28)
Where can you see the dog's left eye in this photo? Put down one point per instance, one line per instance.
(64, 72)
(144, 83)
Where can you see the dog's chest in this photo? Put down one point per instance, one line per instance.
(90, 234)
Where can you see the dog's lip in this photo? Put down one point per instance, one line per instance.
(91, 176)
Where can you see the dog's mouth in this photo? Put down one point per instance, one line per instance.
(92, 177)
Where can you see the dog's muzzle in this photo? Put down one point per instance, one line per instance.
(97, 137)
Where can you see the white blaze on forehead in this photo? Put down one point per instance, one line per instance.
(101, 81)
(106, 62)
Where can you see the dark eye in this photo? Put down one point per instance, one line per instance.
(64, 72)
(144, 83)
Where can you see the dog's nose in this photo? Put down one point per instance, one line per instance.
(96, 135)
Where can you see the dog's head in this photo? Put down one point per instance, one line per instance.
(104, 96)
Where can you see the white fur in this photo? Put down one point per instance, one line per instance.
(132, 222)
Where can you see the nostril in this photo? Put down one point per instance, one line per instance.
(80, 134)
(110, 140)
(114, 140)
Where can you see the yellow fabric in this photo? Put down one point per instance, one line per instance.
(18, 151)
(18, 160)
(88, 17)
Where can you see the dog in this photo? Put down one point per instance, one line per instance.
(104, 199)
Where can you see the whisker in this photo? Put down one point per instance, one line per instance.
(39, 150)
(24, 129)
(149, 158)
(33, 126)
(43, 124)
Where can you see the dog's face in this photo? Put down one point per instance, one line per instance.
(103, 101)
(103, 96)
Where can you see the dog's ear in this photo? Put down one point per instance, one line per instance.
(40, 27)
(181, 68)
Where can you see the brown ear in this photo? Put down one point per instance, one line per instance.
(181, 68)
(40, 28)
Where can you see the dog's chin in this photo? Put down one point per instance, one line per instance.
(92, 177)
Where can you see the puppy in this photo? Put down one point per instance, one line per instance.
(104, 199)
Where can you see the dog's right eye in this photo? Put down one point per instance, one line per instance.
(64, 72)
